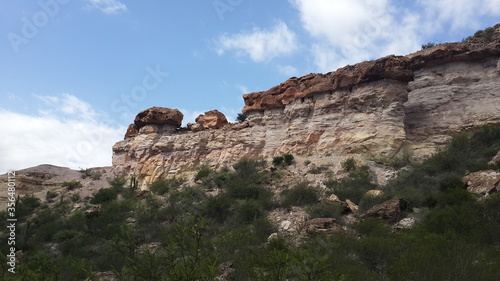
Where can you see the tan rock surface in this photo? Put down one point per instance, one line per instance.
(483, 182)
(382, 107)
(392, 211)
(212, 119)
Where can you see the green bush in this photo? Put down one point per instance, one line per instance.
(249, 210)
(285, 160)
(300, 195)
(70, 185)
(241, 117)
(117, 183)
(104, 195)
(278, 160)
(203, 172)
(75, 197)
(218, 207)
(288, 159)
(354, 186)
(428, 45)
(349, 164)
(51, 194)
(161, 187)
(324, 210)
(26, 205)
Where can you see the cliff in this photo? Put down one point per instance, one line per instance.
(410, 103)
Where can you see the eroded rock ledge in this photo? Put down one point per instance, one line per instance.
(395, 103)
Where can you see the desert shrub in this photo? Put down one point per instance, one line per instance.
(85, 173)
(218, 207)
(278, 160)
(26, 205)
(349, 164)
(104, 195)
(161, 187)
(300, 195)
(117, 183)
(70, 185)
(51, 194)
(354, 186)
(372, 227)
(75, 197)
(324, 210)
(67, 234)
(250, 170)
(285, 160)
(241, 117)
(249, 210)
(288, 159)
(428, 45)
(203, 172)
(244, 190)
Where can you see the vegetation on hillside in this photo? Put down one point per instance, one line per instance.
(181, 232)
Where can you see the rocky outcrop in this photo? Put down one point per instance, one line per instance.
(391, 67)
(483, 182)
(455, 89)
(158, 116)
(408, 103)
(212, 119)
(132, 131)
(391, 211)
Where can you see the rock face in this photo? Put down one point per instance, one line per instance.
(391, 67)
(159, 116)
(397, 103)
(392, 211)
(212, 119)
(483, 182)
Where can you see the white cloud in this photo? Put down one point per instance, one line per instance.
(260, 45)
(351, 31)
(190, 116)
(68, 132)
(107, 6)
(287, 70)
(459, 14)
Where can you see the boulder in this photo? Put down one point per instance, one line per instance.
(195, 127)
(351, 206)
(212, 119)
(375, 193)
(320, 225)
(406, 223)
(391, 211)
(159, 116)
(495, 159)
(132, 131)
(483, 182)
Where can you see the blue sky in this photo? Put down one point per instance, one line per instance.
(74, 73)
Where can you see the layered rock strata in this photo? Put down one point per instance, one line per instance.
(378, 107)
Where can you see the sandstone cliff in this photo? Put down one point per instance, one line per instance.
(381, 107)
